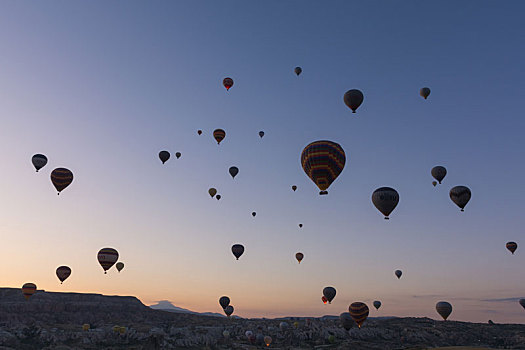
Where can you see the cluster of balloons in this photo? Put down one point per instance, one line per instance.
(224, 302)
(164, 156)
(60, 177)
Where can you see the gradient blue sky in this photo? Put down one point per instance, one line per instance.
(101, 87)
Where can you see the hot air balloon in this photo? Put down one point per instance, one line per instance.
(237, 250)
(300, 225)
(28, 289)
(233, 171)
(322, 162)
(261, 134)
(299, 257)
(444, 309)
(398, 273)
(439, 172)
(323, 298)
(296, 324)
(85, 327)
(298, 70)
(122, 330)
(199, 132)
(107, 257)
(63, 272)
(377, 304)
(226, 334)
(283, 326)
(385, 200)
(434, 183)
(359, 312)
(212, 191)
(224, 301)
(228, 83)
(512, 246)
(254, 213)
(248, 334)
(329, 294)
(267, 340)
(39, 161)
(178, 154)
(353, 99)
(119, 266)
(228, 310)
(218, 196)
(219, 135)
(346, 320)
(294, 188)
(116, 328)
(460, 195)
(164, 156)
(522, 303)
(61, 178)
(424, 92)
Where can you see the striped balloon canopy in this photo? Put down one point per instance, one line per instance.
(323, 161)
(359, 312)
(107, 257)
(39, 161)
(63, 272)
(512, 246)
(219, 135)
(61, 178)
(28, 289)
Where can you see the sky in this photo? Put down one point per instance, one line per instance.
(101, 87)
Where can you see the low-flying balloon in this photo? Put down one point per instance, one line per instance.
(398, 273)
(224, 301)
(377, 304)
(444, 309)
(119, 266)
(212, 191)
(353, 99)
(226, 334)
(228, 83)
(219, 135)
(283, 326)
(63, 272)
(298, 70)
(28, 289)
(329, 294)
(359, 312)
(248, 334)
(385, 199)
(61, 178)
(107, 257)
(439, 172)
(237, 250)
(267, 340)
(228, 310)
(460, 195)
(178, 154)
(261, 134)
(323, 161)
(39, 161)
(424, 92)
(294, 188)
(299, 257)
(512, 246)
(233, 171)
(346, 320)
(164, 156)
(85, 327)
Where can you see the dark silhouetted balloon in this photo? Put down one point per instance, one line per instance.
(323, 161)
(460, 195)
(107, 257)
(346, 320)
(212, 191)
(377, 304)
(298, 70)
(224, 301)
(353, 99)
(164, 156)
(119, 266)
(261, 134)
(63, 272)
(512, 246)
(254, 213)
(300, 225)
(359, 312)
(424, 92)
(299, 257)
(61, 178)
(228, 83)
(237, 250)
(233, 171)
(444, 309)
(329, 294)
(199, 132)
(39, 161)
(218, 196)
(323, 298)
(228, 310)
(219, 135)
(385, 199)
(294, 188)
(522, 303)
(398, 273)
(434, 183)
(28, 289)
(178, 154)
(439, 172)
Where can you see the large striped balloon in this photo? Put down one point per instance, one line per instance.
(219, 135)
(28, 289)
(61, 178)
(323, 161)
(107, 257)
(359, 312)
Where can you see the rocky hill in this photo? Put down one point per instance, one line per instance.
(54, 321)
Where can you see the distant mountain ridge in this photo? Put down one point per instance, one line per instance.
(166, 305)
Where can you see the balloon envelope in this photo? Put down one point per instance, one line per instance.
(398, 273)
(228, 310)
(298, 70)
(385, 199)
(233, 171)
(353, 99)
(164, 156)
(199, 132)
(299, 257)
(460, 195)
(224, 301)
(359, 312)
(512, 246)
(39, 161)
(424, 92)
(346, 320)
(228, 83)
(439, 172)
(61, 178)
(261, 134)
(212, 191)
(254, 213)
(323, 298)
(119, 266)
(219, 135)
(323, 161)
(178, 154)
(237, 250)
(377, 304)
(63, 272)
(107, 257)
(267, 340)
(218, 196)
(294, 188)
(28, 289)
(329, 294)
(444, 309)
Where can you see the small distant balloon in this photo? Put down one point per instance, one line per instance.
(228, 310)
(301, 225)
(218, 196)
(178, 154)
(226, 334)
(233, 171)
(346, 320)
(199, 132)
(212, 191)
(228, 83)
(353, 99)
(460, 195)
(164, 156)
(107, 257)
(329, 294)
(439, 172)
(434, 183)
(512, 246)
(298, 70)
(237, 250)
(119, 266)
(398, 273)
(39, 161)
(299, 257)
(254, 213)
(224, 301)
(385, 199)
(424, 92)
(261, 134)
(283, 326)
(294, 188)
(359, 312)
(63, 272)
(377, 304)
(219, 135)
(61, 178)
(444, 309)
(323, 298)
(28, 289)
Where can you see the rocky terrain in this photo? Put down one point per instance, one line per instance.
(54, 321)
